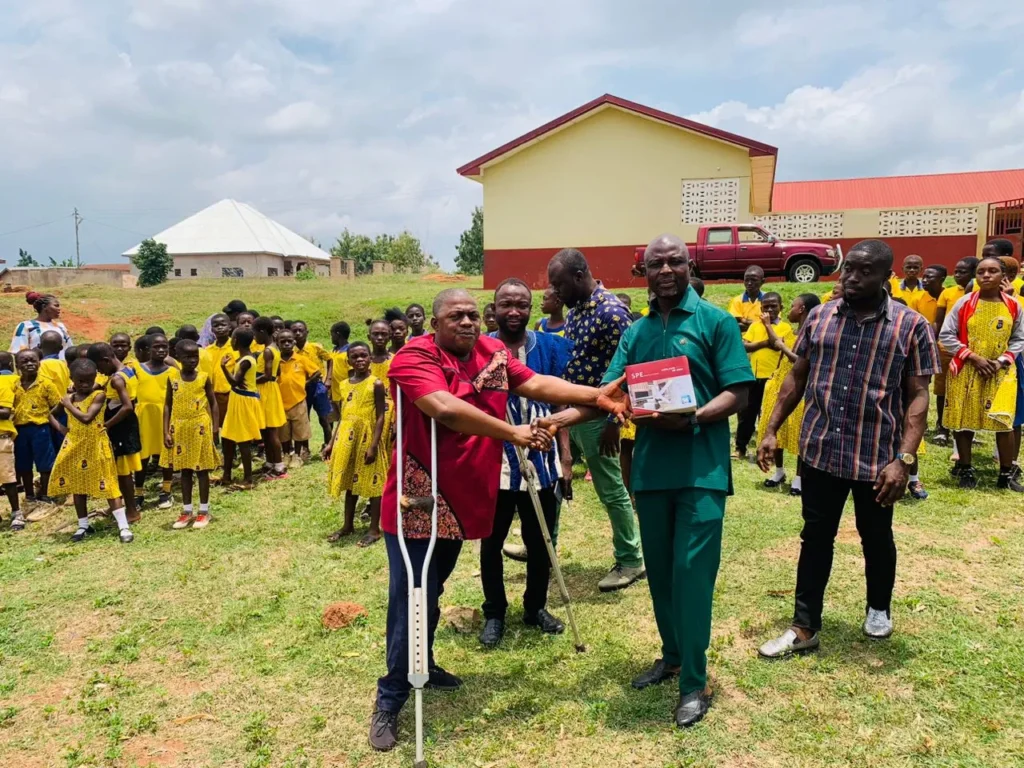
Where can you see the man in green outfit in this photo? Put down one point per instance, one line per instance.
(595, 324)
(681, 467)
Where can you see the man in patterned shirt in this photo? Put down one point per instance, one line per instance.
(595, 324)
(864, 362)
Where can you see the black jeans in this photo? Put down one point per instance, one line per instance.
(538, 566)
(393, 689)
(748, 416)
(823, 498)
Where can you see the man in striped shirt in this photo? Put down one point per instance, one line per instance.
(864, 363)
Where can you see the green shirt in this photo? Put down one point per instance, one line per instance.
(711, 342)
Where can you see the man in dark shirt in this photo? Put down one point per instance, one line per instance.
(595, 325)
(864, 362)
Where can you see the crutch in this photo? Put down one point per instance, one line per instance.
(530, 476)
(419, 627)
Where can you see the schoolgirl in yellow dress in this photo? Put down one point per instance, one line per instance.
(984, 332)
(154, 376)
(121, 422)
(245, 420)
(359, 466)
(789, 432)
(85, 466)
(380, 365)
(268, 365)
(190, 432)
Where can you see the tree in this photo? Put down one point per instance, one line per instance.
(153, 263)
(68, 262)
(25, 259)
(360, 248)
(470, 257)
(405, 253)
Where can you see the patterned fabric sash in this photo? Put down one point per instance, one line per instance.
(966, 313)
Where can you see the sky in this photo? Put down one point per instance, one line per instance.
(326, 115)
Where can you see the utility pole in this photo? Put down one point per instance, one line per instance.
(78, 252)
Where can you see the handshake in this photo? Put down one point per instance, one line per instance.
(539, 435)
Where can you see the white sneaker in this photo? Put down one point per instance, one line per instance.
(877, 624)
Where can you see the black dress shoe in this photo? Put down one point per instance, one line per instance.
(691, 708)
(493, 631)
(548, 624)
(659, 673)
(443, 680)
(383, 730)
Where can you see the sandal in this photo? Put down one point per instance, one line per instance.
(339, 534)
(239, 487)
(770, 483)
(368, 540)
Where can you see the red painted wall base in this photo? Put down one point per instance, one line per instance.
(611, 264)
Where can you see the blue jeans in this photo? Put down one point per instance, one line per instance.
(393, 689)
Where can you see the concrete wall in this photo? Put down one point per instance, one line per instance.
(614, 178)
(212, 265)
(56, 277)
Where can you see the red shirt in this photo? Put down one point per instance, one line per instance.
(469, 466)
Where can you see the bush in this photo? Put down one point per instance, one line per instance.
(153, 263)
(305, 274)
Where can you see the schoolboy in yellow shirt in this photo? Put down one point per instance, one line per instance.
(910, 286)
(746, 307)
(8, 433)
(926, 302)
(764, 360)
(34, 398)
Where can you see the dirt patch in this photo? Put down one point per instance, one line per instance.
(75, 636)
(85, 324)
(341, 615)
(150, 750)
(443, 278)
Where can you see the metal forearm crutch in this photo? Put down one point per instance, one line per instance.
(419, 621)
(532, 482)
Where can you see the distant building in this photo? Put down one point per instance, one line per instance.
(232, 239)
(612, 174)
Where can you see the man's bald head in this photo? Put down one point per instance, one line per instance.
(449, 295)
(666, 243)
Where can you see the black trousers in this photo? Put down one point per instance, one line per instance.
(748, 416)
(823, 498)
(393, 688)
(538, 566)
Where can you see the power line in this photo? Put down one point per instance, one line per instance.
(32, 226)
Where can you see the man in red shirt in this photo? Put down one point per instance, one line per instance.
(462, 380)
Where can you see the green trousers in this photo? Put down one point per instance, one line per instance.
(607, 475)
(682, 536)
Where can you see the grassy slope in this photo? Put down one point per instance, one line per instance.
(205, 648)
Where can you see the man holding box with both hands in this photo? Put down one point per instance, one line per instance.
(681, 466)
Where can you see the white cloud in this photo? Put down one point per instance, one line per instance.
(298, 117)
(357, 113)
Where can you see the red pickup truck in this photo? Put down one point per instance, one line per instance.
(726, 250)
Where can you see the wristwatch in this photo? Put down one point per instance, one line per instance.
(907, 458)
(692, 420)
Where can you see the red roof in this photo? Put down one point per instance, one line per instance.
(472, 168)
(109, 267)
(899, 191)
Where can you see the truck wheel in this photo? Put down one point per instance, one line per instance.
(803, 271)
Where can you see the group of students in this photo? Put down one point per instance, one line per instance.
(94, 420)
(978, 323)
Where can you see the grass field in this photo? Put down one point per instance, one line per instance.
(205, 648)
